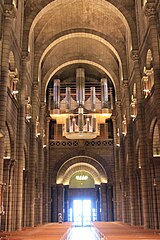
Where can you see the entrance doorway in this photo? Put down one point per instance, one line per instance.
(82, 212)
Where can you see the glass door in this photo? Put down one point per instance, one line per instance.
(82, 213)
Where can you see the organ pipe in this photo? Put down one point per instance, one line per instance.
(104, 93)
(80, 86)
(56, 95)
(93, 98)
(68, 99)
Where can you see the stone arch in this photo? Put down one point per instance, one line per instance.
(92, 160)
(53, 71)
(11, 137)
(85, 33)
(81, 163)
(149, 59)
(148, 78)
(39, 9)
(156, 141)
(151, 132)
(12, 65)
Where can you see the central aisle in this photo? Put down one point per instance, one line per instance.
(79, 233)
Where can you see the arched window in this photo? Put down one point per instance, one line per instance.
(7, 145)
(148, 78)
(156, 141)
(13, 75)
(134, 102)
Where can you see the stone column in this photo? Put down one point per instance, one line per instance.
(121, 157)
(109, 202)
(142, 142)
(66, 203)
(33, 152)
(97, 189)
(41, 164)
(32, 173)
(21, 140)
(117, 194)
(10, 193)
(130, 152)
(151, 13)
(103, 202)
(60, 198)
(9, 14)
(46, 182)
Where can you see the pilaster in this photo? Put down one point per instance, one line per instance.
(103, 202)
(9, 15)
(130, 154)
(142, 142)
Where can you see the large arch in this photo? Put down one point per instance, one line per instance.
(39, 9)
(81, 163)
(53, 71)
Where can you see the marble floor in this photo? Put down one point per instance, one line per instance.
(81, 233)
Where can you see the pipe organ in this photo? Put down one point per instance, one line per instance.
(78, 119)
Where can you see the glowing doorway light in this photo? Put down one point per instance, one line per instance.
(81, 177)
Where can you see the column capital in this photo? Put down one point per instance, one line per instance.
(35, 86)
(26, 56)
(150, 9)
(135, 55)
(12, 163)
(118, 103)
(43, 105)
(125, 83)
(9, 11)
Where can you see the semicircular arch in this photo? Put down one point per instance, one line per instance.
(53, 71)
(77, 163)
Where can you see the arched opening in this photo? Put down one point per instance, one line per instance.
(148, 78)
(82, 180)
(13, 76)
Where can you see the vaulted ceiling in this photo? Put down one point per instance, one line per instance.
(62, 35)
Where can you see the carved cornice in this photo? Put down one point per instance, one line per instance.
(150, 9)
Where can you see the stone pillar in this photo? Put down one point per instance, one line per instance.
(66, 203)
(9, 14)
(109, 202)
(32, 172)
(54, 216)
(122, 174)
(20, 146)
(142, 142)
(40, 164)
(33, 152)
(46, 182)
(117, 194)
(97, 188)
(20, 142)
(10, 193)
(103, 202)
(151, 13)
(130, 151)
(60, 198)
(25, 198)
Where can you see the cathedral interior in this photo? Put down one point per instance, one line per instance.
(79, 112)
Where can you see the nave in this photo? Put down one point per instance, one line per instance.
(97, 231)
